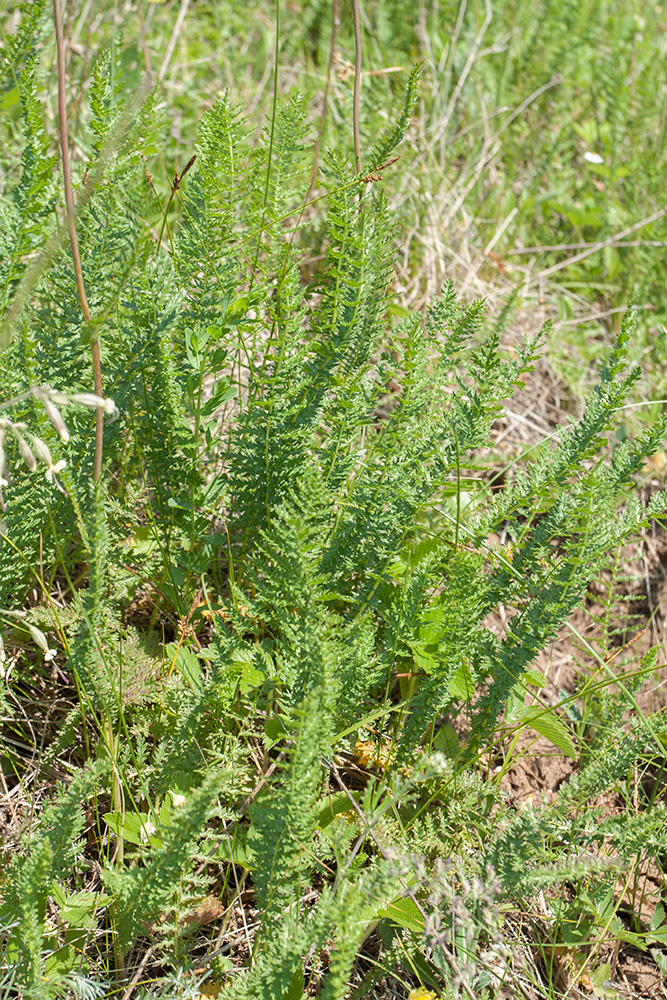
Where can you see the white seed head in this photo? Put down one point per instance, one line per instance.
(59, 398)
(41, 450)
(111, 409)
(95, 402)
(44, 455)
(55, 418)
(87, 399)
(52, 399)
(24, 448)
(147, 831)
(38, 637)
(53, 470)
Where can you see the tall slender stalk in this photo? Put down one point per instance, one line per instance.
(71, 225)
(357, 83)
(107, 727)
(335, 21)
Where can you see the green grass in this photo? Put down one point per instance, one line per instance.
(268, 682)
(495, 161)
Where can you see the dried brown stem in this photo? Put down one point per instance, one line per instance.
(71, 225)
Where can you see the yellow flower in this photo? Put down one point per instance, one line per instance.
(421, 993)
(374, 757)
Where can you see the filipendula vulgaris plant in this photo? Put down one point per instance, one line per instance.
(278, 449)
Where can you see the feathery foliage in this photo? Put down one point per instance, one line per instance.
(275, 606)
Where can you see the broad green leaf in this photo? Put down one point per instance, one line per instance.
(234, 848)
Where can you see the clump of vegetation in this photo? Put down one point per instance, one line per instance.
(282, 705)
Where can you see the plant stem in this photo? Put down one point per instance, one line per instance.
(71, 225)
(174, 38)
(335, 21)
(357, 82)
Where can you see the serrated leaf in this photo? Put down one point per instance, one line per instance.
(295, 989)
(133, 827)
(78, 909)
(251, 678)
(186, 663)
(547, 724)
(446, 741)
(461, 683)
(404, 912)
(658, 917)
(274, 731)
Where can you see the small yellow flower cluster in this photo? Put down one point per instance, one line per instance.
(421, 993)
(373, 756)
(377, 756)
